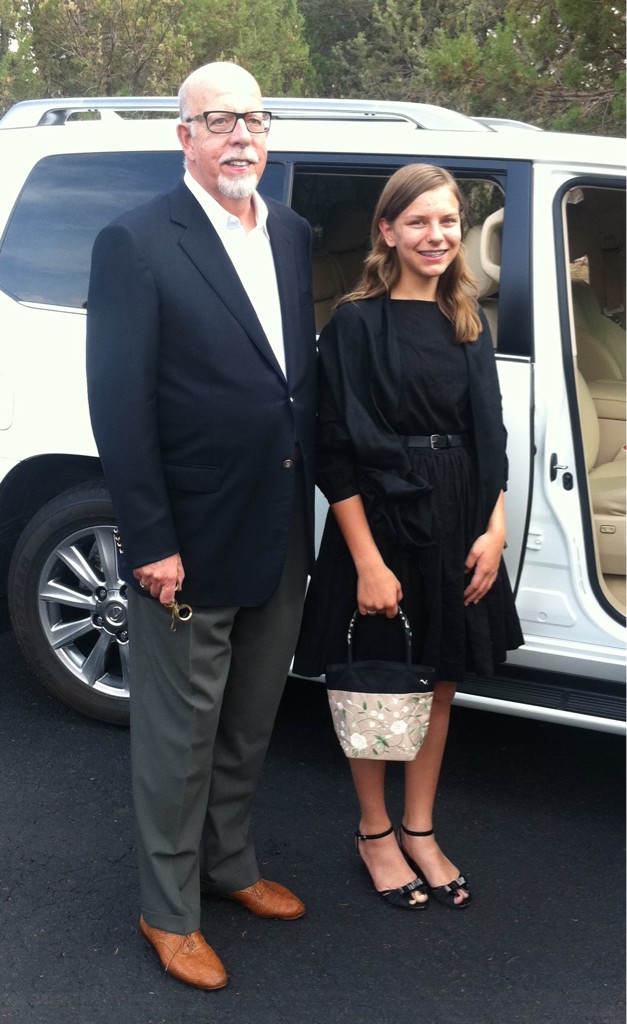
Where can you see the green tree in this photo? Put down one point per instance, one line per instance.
(386, 61)
(143, 47)
(109, 47)
(477, 16)
(265, 36)
(17, 77)
(591, 66)
(327, 24)
(555, 63)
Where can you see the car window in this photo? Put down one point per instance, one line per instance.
(593, 221)
(66, 200)
(273, 181)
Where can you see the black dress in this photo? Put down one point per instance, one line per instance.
(433, 397)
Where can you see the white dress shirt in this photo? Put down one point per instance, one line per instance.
(251, 255)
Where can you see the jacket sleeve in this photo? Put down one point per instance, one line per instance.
(122, 358)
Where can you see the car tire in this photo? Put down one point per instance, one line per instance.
(68, 604)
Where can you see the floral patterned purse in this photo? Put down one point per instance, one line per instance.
(380, 709)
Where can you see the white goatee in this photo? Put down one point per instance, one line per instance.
(237, 188)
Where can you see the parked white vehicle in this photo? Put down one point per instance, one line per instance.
(545, 236)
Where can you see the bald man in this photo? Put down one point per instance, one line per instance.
(201, 372)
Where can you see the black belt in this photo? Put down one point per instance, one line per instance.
(435, 441)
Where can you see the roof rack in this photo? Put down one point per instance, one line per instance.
(505, 124)
(32, 113)
(420, 115)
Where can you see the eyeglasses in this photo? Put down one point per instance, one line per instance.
(222, 122)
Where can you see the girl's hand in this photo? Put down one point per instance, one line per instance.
(484, 557)
(483, 561)
(378, 591)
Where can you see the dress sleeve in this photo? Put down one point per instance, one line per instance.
(337, 474)
(492, 417)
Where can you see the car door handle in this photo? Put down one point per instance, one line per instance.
(554, 465)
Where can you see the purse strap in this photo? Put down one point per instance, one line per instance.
(351, 632)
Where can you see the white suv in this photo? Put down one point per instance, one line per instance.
(546, 238)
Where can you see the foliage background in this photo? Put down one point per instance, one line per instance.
(556, 63)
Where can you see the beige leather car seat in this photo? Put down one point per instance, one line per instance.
(601, 351)
(338, 263)
(594, 219)
(607, 487)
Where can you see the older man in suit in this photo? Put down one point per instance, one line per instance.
(201, 372)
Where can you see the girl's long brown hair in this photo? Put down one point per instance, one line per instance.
(382, 269)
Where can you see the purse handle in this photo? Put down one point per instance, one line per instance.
(351, 631)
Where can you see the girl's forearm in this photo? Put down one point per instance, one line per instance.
(351, 519)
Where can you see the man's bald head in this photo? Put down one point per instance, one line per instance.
(220, 77)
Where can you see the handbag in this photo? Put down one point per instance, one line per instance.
(380, 709)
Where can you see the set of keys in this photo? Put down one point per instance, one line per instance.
(180, 613)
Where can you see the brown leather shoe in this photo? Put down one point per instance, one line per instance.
(186, 957)
(268, 899)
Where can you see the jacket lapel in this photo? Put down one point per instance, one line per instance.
(287, 281)
(204, 248)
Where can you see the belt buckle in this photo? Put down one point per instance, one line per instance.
(438, 441)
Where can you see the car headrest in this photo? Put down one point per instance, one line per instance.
(486, 285)
(490, 245)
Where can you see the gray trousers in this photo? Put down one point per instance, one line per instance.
(203, 703)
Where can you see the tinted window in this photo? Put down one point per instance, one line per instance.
(46, 252)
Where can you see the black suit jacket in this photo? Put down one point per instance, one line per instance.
(195, 423)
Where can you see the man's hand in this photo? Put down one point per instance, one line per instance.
(161, 579)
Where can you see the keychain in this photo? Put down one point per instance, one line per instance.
(180, 613)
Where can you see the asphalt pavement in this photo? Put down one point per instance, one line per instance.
(534, 814)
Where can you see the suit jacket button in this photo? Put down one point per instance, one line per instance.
(288, 463)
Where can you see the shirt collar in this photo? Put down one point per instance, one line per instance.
(222, 220)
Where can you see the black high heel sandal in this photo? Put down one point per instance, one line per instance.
(405, 896)
(444, 894)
